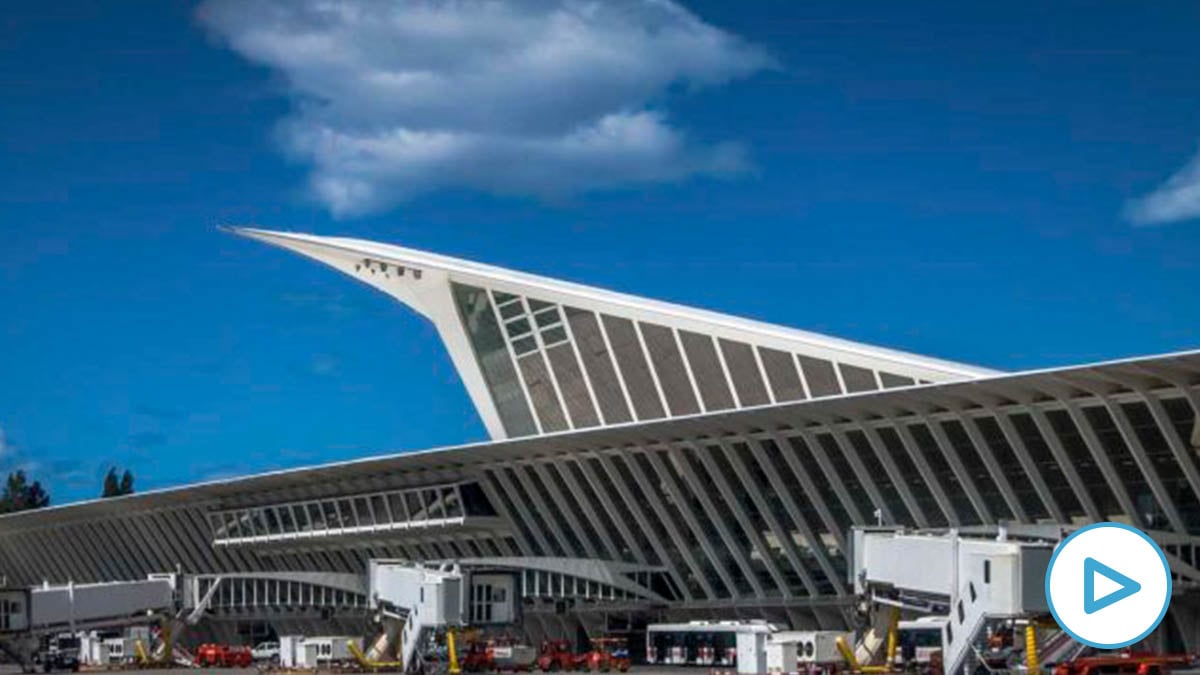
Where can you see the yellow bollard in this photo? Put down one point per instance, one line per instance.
(1032, 662)
(453, 653)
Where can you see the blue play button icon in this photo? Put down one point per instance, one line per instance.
(1107, 609)
(1125, 586)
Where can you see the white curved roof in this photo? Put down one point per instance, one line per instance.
(425, 282)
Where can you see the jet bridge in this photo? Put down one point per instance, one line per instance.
(971, 580)
(411, 602)
(26, 614)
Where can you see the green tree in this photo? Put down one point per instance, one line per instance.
(114, 486)
(21, 495)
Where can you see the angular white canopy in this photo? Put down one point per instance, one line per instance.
(539, 355)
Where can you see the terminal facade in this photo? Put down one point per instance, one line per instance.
(651, 462)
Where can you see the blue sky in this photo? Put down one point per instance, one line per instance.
(1003, 185)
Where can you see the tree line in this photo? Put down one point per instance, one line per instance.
(21, 494)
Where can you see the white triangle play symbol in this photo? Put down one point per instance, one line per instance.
(1105, 586)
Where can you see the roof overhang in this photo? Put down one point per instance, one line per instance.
(1142, 374)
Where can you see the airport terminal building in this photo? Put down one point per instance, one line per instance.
(652, 462)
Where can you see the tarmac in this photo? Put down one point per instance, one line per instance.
(636, 670)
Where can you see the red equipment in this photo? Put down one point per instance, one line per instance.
(478, 657)
(609, 653)
(556, 655)
(222, 656)
(1128, 663)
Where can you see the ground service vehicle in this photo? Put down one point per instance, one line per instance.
(698, 643)
(265, 652)
(556, 655)
(477, 658)
(511, 655)
(1123, 664)
(60, 652)
(920, 640)
(223, 656)
(607, 654)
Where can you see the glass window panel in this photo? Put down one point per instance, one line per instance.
(518, 328)
(380, 509)
(846, 475)
(857, 379)
(476, 501)
(555, 513)
(332, 519)
(1085, 464)
(554, 336)
(916, 483)
(233, 524)
(1127, 469)
(1006, 458)
(497, 365)
(399, 511)
(743, 369)
(782, 373)
(572, 385)
(761, 484)
(346, 509)
(271, 519)
(889, 380)
(706, 369)
(287, 522)
(541, 392)
(316, 517)
(502, 297)
(807, 541)
(302, 518)
(658, 528)
(416, 509)
(882, 479)
(1165, 464)
(821, 378)
(622, 508)
(507, 499)
(538, 305)
(512, 311)
(976, 470)
(363, 511)
(246, 524)
(547, 318)
(433, 502)
(1043, 458)
(451, 506)
(633, 366)
(598, 364)
(525, 345)
(668, 364)
(944, 474)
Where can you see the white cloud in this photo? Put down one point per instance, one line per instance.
(530, 97)
(1175, 200)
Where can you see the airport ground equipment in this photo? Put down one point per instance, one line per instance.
(974, 581)
(213, 655)
(556, 655)
(28, 615)
(606, 654)
(1124, 664)
(414, 605)
(708, 643)
(808, 651)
